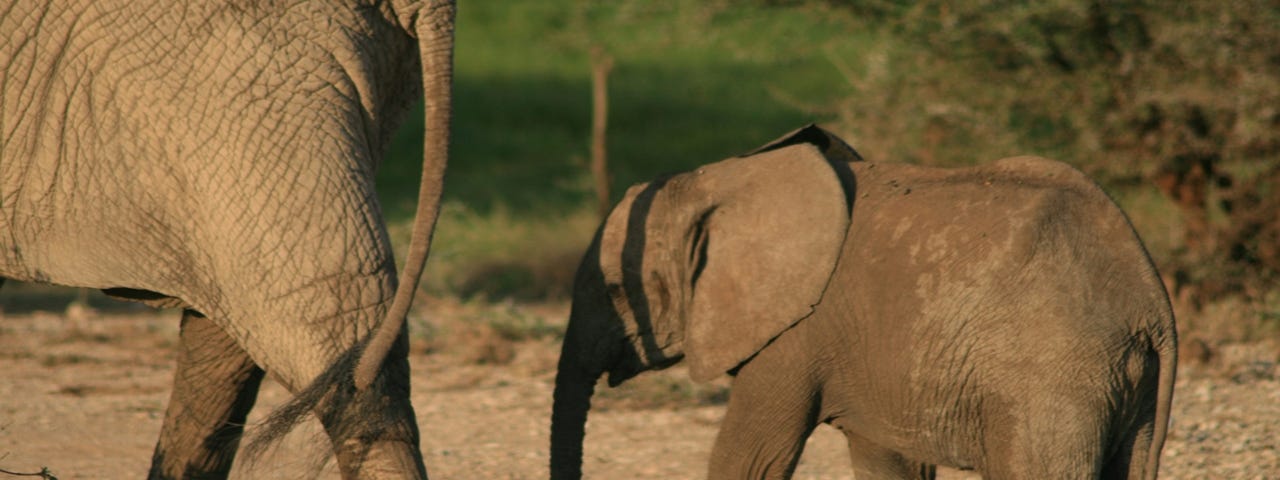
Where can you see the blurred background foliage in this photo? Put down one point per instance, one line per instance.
(1179, 96)
(1172, 106)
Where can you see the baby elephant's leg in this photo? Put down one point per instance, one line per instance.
(873, 461)
(1062, 438)
(773, 407)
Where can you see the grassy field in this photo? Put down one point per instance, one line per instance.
(1126, 92)
(688, 87)
(692, 83)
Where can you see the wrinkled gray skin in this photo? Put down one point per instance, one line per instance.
(1002, 318)
(219, 156)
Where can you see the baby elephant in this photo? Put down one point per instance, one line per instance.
(1002, 318)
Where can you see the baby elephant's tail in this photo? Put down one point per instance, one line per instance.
(1167, 348)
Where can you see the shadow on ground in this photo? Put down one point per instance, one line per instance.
(20, 298)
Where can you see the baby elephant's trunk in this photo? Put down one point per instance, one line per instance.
(572, 399)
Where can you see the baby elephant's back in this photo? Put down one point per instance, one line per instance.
(987, 285)
(1017, 241)
(1022, 226)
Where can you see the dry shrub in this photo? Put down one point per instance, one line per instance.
(546, 275)
(483, 333)
(667, 389)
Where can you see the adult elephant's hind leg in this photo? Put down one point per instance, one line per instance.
(213, 389)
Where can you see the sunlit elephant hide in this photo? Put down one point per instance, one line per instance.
(219, 156)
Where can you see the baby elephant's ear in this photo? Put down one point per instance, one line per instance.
(826, 142)
(768, 249)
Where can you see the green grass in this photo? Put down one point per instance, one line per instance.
(499, 254)
(691, 84)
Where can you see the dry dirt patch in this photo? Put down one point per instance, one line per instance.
(86, 400)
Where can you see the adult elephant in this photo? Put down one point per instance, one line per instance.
(219, 156)
(1002, 318)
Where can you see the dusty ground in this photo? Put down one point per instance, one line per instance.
(85, 398)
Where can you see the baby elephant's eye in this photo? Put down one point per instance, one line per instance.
(614, 289)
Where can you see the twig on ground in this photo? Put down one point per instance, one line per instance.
(44, 473)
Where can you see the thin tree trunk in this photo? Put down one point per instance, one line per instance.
(601, 64)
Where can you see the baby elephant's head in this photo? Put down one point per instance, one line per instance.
(710, 264)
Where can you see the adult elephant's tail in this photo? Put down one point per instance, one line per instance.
(435, 43)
